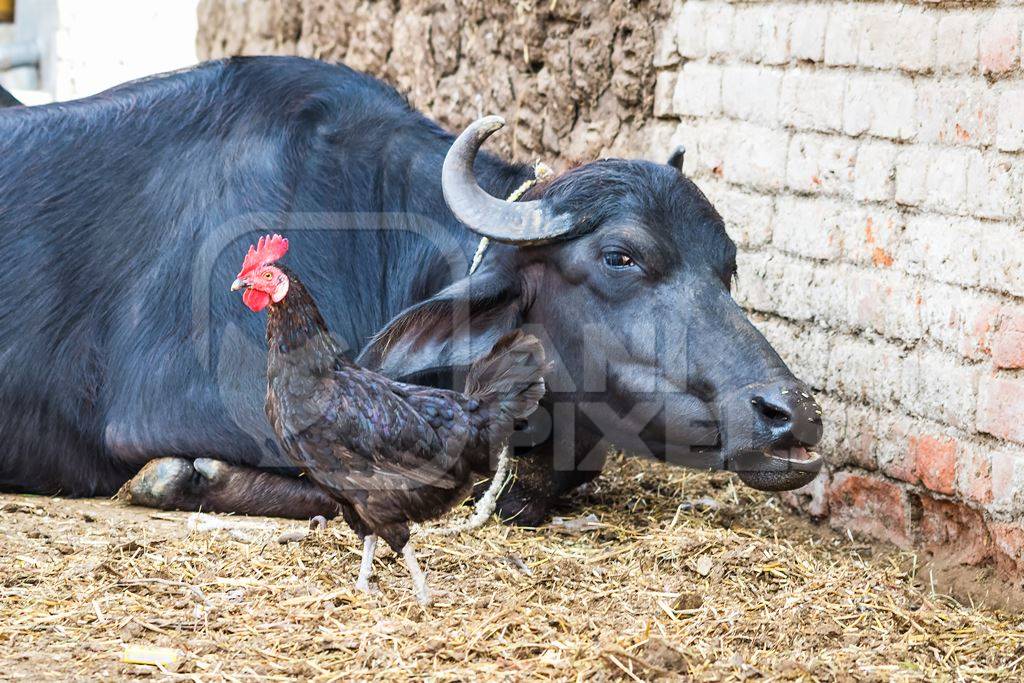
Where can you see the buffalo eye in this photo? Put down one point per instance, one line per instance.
(618, 260)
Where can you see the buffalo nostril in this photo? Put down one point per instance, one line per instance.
(772, 411)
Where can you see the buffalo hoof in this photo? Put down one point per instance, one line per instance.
(175, 483)
(160, 481)
(214, 471)
(518, 512)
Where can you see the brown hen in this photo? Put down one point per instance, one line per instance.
(389, 453)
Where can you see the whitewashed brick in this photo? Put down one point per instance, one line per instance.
(870, 234)
(960, 112)
(1010, 124)
(808, 227)
(956, 318)
(891, 311)
(664, 90)
(882, 302)
(881, 105)
(751, 93)
(938, 386)
(753, 156)
(865, 370)
(933, 177)
(720, 20)
(826, 229)
(807, 35)
(957, 42)
(747, 27)
(912, 175)
(691, 29)
(657, 138)
(842, 35)
(995, 183)
(1002, 252)
(775, 35)
(943, 248)
(813, 100)
(827, 295)
(698, 90)
(874, 171)
(896, 36)
(749, 290)
(804, 349)
(946, 188)
(1007, 480)
(873, 438)
(799, 287)
(748, 216)
(797, 291)
(999, 42)
(820, 164)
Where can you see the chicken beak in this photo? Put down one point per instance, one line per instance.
(237, 285)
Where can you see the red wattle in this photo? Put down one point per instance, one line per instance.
(255, 300)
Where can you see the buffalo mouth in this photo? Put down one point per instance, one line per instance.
(782, 469)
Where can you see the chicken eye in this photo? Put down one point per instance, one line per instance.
(618, 260)
(267, 275)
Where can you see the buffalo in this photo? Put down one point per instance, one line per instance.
(126, 364)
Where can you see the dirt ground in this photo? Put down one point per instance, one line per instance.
(678, 575)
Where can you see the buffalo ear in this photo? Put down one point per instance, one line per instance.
(449, 330)
(676, 160)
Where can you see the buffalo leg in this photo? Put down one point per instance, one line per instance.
(539, 484)
(215, 486)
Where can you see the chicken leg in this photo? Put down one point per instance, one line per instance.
(419, 579)
(366, 566)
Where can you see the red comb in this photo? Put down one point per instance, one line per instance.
(268, 250)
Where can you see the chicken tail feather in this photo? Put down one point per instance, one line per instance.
(509, 380)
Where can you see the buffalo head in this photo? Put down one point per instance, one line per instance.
(624, 268)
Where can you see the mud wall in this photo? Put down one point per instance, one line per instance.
(868, 157)
(573, 78)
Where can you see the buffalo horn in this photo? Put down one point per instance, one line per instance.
(511, 222)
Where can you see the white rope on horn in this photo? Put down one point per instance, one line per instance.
(541, 172)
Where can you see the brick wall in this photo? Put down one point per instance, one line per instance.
(870, 158)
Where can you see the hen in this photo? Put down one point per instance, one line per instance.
(389, 453)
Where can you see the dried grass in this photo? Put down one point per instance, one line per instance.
(654, 588)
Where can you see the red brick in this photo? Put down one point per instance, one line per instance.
(902, 464)
(1001, 407)
(1008, 341)
(1008, 539)
(974, 474)
(954, 532)
(978, 324)
(872, 506)
(935, 461)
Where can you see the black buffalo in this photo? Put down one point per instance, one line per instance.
(124, 216)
